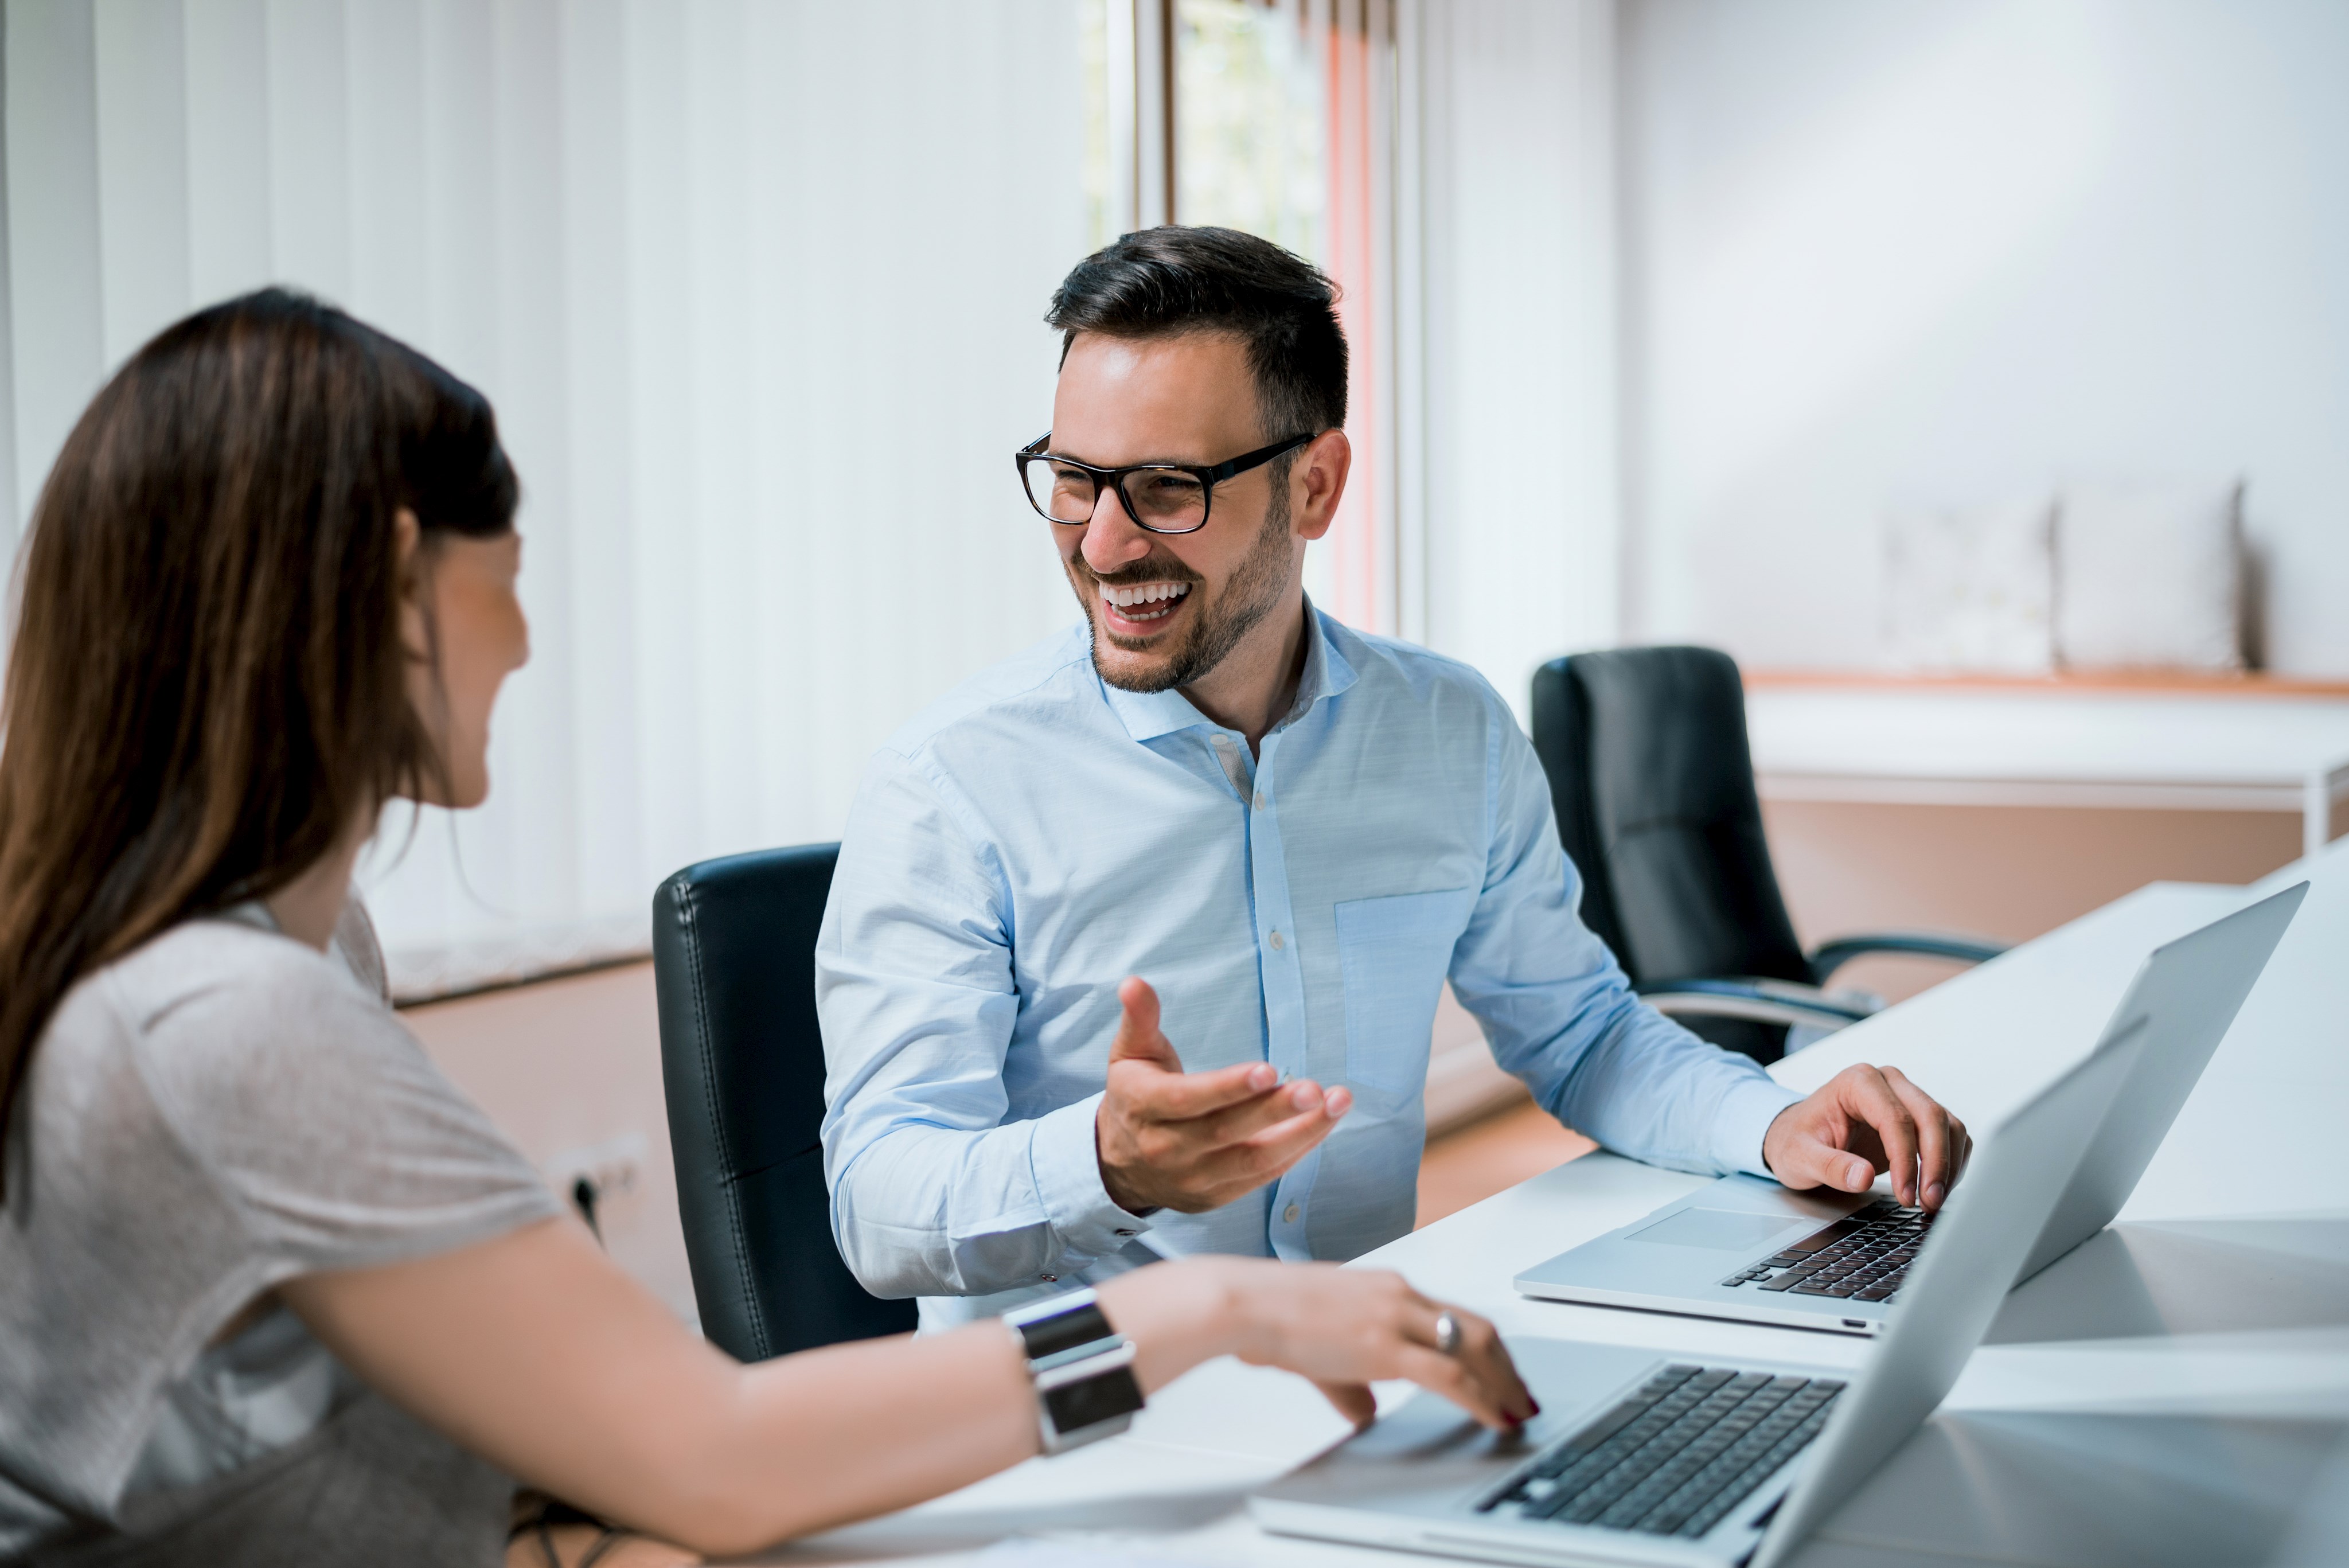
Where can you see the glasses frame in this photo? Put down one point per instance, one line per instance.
(1209, 475)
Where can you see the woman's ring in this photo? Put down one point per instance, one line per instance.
(1447, 1333)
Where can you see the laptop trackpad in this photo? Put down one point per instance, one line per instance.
(1723, 1229)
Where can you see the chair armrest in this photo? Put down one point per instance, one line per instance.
(1829, 957)
(1762, 1001)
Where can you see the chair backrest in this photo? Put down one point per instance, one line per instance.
(742, 1065)
(1653, 786)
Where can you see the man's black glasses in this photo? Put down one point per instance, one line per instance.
(1161, 497)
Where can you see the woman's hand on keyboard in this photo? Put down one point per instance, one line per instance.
(1342, 1328)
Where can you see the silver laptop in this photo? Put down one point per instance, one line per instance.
(1748, 1248)
(1640, 1458)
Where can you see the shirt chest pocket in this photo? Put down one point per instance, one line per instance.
(1393, 954)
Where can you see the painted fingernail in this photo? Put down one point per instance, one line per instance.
(1535, 1403)
(1935, 1194)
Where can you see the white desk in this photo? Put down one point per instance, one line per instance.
(1931, 745)
(2172, 1376)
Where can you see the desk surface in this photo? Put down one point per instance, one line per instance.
(2134, 1403)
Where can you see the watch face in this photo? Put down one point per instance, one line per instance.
(1076, 1406)
(1064, 1331)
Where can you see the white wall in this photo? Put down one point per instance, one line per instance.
(1915, 255)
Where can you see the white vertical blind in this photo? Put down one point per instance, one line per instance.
(756, 287)
(1512, 181)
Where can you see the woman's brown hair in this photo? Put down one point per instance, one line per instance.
(208, 683)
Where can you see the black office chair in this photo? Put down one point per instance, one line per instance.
(743, 1066)
(1654, 785)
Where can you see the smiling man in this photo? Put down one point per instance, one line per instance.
(1136, 940)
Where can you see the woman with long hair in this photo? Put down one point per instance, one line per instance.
(271, 1289)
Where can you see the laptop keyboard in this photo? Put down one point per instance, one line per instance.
(1862, 1257)
(1674, 1458)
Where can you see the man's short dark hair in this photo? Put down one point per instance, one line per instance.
(1163, 281)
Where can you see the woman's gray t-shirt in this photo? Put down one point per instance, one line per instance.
(218, 1112)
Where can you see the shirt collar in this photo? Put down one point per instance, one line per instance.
(1150, 714)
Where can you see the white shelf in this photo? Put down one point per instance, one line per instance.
(1946, 745)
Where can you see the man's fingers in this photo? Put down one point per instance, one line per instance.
(1217, 1175)
(1283, 1144)
(1267, 1156)
(1181, 1097)
(1935, 1168)
(1238, 1123)
(1354, 1401)
(1138, 1035)
(1165, 1092)
(1872, 1100)
(1829, 1138)
(1809, 1160)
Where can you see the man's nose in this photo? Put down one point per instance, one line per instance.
(1112, 540)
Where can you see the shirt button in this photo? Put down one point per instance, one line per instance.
(1288, 1215)
(1276, 943)
(1262, 800)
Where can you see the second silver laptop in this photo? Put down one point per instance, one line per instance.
(1750, 1249)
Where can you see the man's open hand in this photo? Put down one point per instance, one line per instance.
(1195, 1141)
(1862, 1121)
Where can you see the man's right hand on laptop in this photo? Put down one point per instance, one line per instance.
(1195, 1141)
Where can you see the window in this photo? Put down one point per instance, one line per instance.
(1252, 132)
(1276, 117)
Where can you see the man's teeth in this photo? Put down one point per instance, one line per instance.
(1143, 593)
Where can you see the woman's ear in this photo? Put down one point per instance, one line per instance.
(409, 571)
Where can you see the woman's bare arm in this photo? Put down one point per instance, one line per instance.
(540, 1355)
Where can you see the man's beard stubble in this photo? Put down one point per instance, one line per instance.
(1253, 593)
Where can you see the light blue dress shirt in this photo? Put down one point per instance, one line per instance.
(1038, 836)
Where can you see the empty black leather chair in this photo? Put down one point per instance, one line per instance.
(1654, 785)
(743, 1066)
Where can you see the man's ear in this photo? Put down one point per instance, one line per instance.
(1317, 480)
(408, 570)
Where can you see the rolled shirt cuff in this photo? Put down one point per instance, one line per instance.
(1744, 1121)
(1067, 1162)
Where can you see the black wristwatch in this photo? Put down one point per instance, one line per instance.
(1083, 1370)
